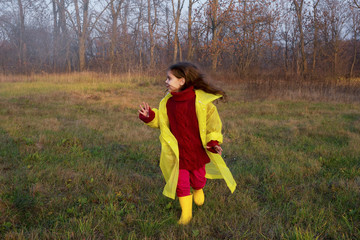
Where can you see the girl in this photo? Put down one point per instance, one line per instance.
(190, 134)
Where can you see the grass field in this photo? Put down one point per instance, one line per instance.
(76, 163)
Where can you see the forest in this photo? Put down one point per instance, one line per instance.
(277, 39)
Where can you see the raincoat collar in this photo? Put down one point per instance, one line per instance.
(205, 98)
(201, 96)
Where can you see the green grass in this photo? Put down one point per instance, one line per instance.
(76, 163)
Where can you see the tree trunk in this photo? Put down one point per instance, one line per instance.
(113, 37)
(336, 56)
(218, 18)
(65, 41)
(151, 28)
(56, 35)
(286, 55)
(176, 15)
(180, 53)
(141, 26)
(168, 33)
(299, 15)
(355, 20)
(190, 47)
(22, 45)
(215, 34)
(83, 36)
(316, 32)
(354, 58)
(115, 12)
(128, 61)
(82, 31)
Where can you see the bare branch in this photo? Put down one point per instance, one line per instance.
(357, 4)
(99, 15)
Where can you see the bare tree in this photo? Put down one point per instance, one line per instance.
(218, 17)
(355, 29)
(253, 31)
(83, 26)
(139, 33)
(56, 34)
(334, 18)
(286, 38)
(299, 11)
(216, 27)
(61, 41)
(22, 45)
(316, 34)
(82, 31)
(176, 16)
(168, 28)
(125, 40)
(115, 9)
(190, 51)
(152, 24)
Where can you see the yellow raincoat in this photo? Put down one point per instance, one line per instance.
(210, 129)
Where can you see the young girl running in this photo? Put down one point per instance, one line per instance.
(190, 134)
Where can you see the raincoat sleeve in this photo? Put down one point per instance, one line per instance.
(155, 122)
(213, 124)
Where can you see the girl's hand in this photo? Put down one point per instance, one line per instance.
(217, 148)
(144, 110)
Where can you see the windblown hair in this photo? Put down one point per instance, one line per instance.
(193, 77)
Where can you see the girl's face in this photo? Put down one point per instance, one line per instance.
(173, 83)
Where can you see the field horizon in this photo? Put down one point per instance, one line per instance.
(77, 163)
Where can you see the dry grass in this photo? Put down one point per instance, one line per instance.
(76, 163)
(341, 90)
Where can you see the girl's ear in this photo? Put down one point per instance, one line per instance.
(182, 81)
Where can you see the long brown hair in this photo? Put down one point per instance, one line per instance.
(193, 77)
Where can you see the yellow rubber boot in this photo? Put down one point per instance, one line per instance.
(199, 197)
(186, 209)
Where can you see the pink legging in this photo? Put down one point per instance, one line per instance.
(194, 178)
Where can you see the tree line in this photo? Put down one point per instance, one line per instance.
(247, 38)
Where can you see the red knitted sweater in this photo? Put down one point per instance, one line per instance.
(184, 125)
